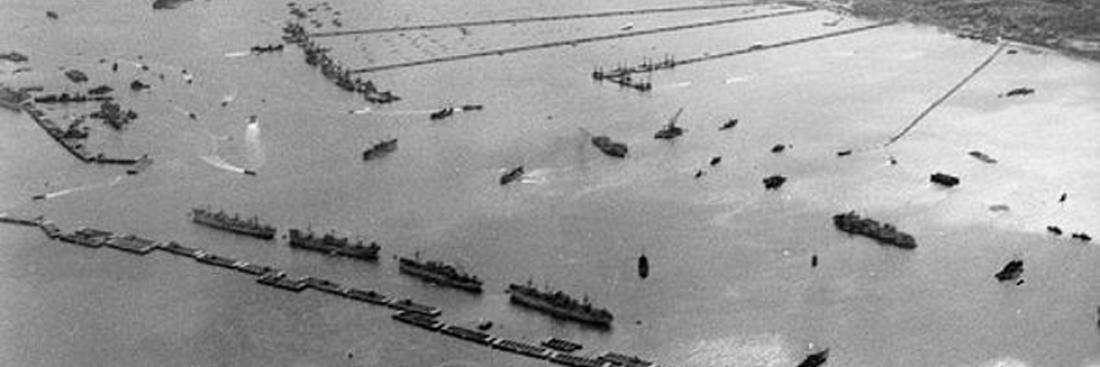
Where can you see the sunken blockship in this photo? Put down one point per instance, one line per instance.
(559, 304)
(440, 273)
(316, 55)
(221, 220)
(333, 245)
(882, 232)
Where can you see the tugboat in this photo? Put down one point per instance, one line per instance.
(643, 266)
(442, 114)
(773, 182)
(1011, 271)
(852, 223)
(333, 245)
(439, 273)
(1055, 230)
(611, 148)
(559, 304)
(221, 220)
(816, 359)
(671, 131)
(381, 149)
(512, 176)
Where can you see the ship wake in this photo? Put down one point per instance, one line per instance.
(254, 146)
(74, 190)
(219, 162)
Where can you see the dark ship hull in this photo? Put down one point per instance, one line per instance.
(332, 245)
(608, 147)
(643, 267)
(851, 222)
(379, 150)
(439, 275)
(512, 176)
(532, 298)
(232, 224)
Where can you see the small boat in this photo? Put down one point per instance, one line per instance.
(442, 114)
(1055, 230)
(715, 160)
(609, 147)
(728, 125)
(779, 148)
(671, 131)
(844, 153)
(643, 266)
(944, 179)
(380, 149)
(774, 182)
(626, 27)
(1084, 237)
(470, 107)
(1011, 271)
(985, 158)
(485, 325)
(250, 172)
(39, 197)
(512, 176)
(815, 359)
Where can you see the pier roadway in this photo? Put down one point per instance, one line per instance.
(576, 41)
(947, 95)
(605, 14)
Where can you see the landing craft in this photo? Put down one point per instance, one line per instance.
(643, 266)
(39, 197)
(627, 27)
(250, 172)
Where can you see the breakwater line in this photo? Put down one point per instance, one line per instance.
(945, 96)
(408, 312)
(669, 62)
(575, 41)
(476, 23)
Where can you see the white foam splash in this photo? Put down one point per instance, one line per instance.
(232, 55)
(113, 182)
(220, 162)
(255, 147)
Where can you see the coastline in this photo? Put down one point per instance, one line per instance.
(1069, 28)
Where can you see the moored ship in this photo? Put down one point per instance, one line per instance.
(333, 245)
(440, 273)
(882, 232)
(221, 220)
(559, 304)
(381, 149)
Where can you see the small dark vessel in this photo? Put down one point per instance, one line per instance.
(1019, 92)
(51, 15)
(103, 89)
(223, 221)
(137, 85)
(670, 131)
(728, 125)
(442, 114)
(643, 266)
(1055, 230)
(611, 148)
(852, 223)
(985, 158)
(561, 345)
(774, 182)
(1081, 236)
(779, 148)
(944, 179)
(250, 172)
(485, 325)
(715, 160)
(844, 153)
(381, 149)
(816, 359)
(39, 197)
(470, 107)
(699, 173)
(512, 176)
(1011, 271)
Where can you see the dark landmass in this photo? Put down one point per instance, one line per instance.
(1070, 26)
(167, 4)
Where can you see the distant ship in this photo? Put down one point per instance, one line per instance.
(729, 124)
(442, 114)
(944, 179)
(512, 176)
(611, 148)
(142, 164)
(333, 245)
(882, 232)
(816, 359)
(1011, 271)
(223, 221)
(249, 172)
(671, 131)
(559, 304)
(643, 266)
(381, 149)
(440, 273)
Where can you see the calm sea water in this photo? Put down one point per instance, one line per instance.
(731, 283)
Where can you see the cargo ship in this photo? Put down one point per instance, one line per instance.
(333, 245)
(221, 220)
(559, 304)
(381, 149)
(440, 273)
(882, 232)
(670, 130)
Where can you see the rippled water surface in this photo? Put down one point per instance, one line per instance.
(730, 281)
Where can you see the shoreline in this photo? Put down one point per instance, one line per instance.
(1060, 28)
